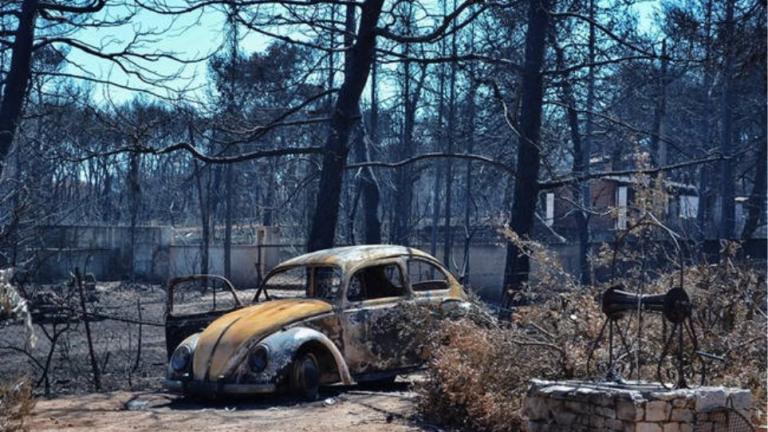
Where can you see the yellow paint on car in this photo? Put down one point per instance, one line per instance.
(222, 338)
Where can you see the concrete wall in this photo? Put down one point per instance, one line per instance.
(105, 251)
(486, 265)
(185, 260)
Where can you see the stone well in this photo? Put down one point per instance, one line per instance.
(634, 406)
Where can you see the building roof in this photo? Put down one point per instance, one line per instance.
(347, 257)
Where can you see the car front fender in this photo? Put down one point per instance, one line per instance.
(283, 346)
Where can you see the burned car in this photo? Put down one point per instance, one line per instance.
(326, 317)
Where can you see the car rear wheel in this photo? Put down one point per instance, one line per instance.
(305, 377)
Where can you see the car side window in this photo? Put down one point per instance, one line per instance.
(425, 276)
(376, 282)
(327, 282)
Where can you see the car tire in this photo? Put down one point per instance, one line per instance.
(305, 377)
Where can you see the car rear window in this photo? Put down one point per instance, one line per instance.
(425, 276)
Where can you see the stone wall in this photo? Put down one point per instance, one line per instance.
(634, 407)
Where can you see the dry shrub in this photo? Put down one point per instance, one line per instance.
(16, 403)
(473, 380)
(478, 369)
(13, 306)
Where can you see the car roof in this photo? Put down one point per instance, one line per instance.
(348, 257)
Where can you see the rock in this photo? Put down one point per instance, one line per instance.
(136, 405)
(614, 425)
(604, 412)
(648, 427)
(709, 399)
(671, 427)
(681, 415)
(597, 422)
(740, 400)
(564, 417)
(628, 411)
(657, 411)
(577, 407)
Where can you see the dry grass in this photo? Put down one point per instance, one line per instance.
(16, 403)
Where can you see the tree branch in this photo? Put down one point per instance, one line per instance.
(93, 7)
(558, 182)
(197, 154)
(439, 31)
(466, 156)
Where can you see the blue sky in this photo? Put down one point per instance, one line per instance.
(192, 36)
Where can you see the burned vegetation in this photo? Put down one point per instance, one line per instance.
(220, 198)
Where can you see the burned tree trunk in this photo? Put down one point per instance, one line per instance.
(448, 239)
(704, 213)
(228, 216)
(658, 145)
(369, 186)
(344, 116)
(205, 241)
(526, 190)
(727, 205)
(581, 156)
(404, 175)
(440, 167)
(18, 77)
(471, 114)
(203, 195)
(756, 202)
(134, 196)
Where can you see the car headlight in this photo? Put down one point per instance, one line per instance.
(257, 359)
(180, 358)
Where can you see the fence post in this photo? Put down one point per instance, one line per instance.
(94, 364)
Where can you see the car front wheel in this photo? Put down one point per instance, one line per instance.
(305, 377)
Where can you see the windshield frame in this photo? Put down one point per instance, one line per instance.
(281, 269)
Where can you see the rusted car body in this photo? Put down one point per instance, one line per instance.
(340, 319)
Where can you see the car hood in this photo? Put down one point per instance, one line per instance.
(223, 337)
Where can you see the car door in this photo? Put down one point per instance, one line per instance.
(192, 303)
(372, 318)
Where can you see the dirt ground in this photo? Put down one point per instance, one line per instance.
(131, 376)
(350, 408)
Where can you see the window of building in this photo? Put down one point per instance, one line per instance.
(689, 206)
(621, 206)
(549, 209)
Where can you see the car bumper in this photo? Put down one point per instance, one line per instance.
(216, 388)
